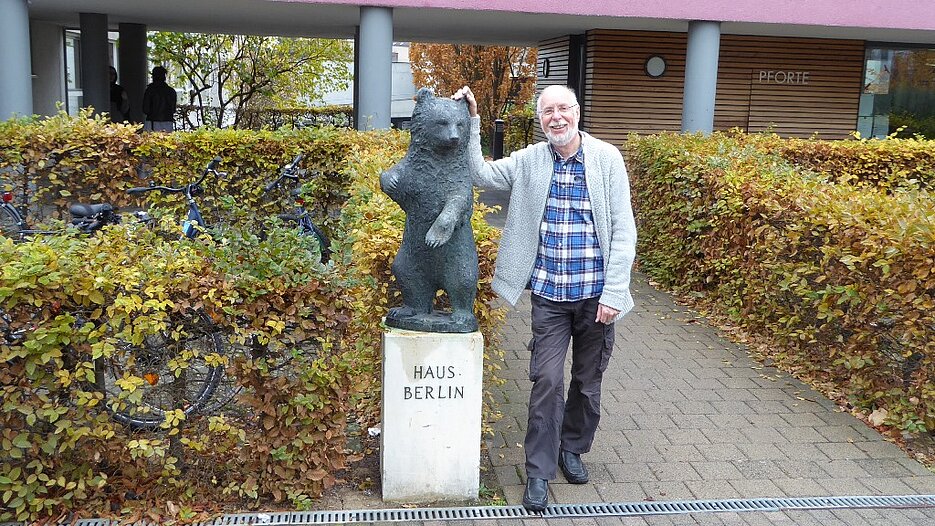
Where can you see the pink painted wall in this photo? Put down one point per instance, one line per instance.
(898, 14)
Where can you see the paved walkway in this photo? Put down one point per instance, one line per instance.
(688, 415)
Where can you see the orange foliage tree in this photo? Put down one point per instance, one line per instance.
(501, 77)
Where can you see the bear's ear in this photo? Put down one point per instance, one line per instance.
(423, 94)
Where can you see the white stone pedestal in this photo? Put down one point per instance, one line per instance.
(432, 390)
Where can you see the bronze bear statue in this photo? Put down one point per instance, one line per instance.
(433, 186)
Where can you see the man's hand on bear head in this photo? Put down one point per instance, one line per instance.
(466, 94)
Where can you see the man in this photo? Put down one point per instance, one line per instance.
(570, 237)
(159, 101)
(119, 103)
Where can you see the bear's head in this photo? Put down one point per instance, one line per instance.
(439, 124)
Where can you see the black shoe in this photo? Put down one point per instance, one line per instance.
(536, 497)
(572, 467)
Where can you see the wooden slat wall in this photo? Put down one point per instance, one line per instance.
(621, 98)
(827, 104)
(556, 50)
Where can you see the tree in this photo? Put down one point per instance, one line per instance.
(244, 72)
(502, 78)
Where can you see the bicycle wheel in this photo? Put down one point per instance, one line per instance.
(10, 224)
(323, 242)
(180, 369)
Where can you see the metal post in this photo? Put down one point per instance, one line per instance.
(15, 68)
(701, 59)
(497, 149)
(95, 82)
(375, 68)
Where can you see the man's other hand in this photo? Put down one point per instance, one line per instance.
(605, 314)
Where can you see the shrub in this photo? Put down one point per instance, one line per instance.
(304, 337)
(839, 276)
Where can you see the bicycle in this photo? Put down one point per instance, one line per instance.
(86, 218)
(293, 175)
(180, 372)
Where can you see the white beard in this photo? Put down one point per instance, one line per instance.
(562, 139)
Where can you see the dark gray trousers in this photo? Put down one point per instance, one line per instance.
(553, 421)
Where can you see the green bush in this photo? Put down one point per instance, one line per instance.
(79, 300)
(889, 163)
(839, 276)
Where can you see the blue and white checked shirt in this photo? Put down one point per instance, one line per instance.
(569, 265)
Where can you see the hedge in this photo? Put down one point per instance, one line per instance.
(76, 298)
(839, 277)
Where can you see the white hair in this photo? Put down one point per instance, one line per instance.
(555, 87)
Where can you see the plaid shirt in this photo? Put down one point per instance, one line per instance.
(569, 265)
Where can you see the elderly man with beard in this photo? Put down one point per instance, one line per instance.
(570, 238)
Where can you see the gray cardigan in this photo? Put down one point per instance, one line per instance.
(527, 173)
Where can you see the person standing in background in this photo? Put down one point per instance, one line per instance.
(159, 103)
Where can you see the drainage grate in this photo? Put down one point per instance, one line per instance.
(623, 509)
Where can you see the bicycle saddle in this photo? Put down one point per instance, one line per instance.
(80, 210)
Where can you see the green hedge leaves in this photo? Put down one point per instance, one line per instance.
(302, 339)
(840, 276)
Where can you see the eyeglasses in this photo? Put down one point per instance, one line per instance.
(563, 109)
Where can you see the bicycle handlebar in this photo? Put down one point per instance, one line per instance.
(211, 168)
(289, 171)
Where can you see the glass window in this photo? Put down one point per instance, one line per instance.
(898, 95)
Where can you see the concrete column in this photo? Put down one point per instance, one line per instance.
(15, 68)
(95, 61)
(375, 61)
(48, 66)
(134, 66)
(704, 42)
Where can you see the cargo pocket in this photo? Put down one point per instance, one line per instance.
(533, 362)
(608, 346)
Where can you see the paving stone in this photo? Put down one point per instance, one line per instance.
(685, 436)
(760, 435)
(841, 450)
(725, 436)
(716, 470)
(637, 472)
(803, 420)
(802, 452)
(888, 486)
(881, 449)
(755, 488)
(800, 469)
(759, 469)
(667, 490)
(721, 452)
(843, 486)
(675, 452)
(694, 421)
(762, 452)
(650, 421)
(621, 492)
(921, 485)
(711, 489)
(845, 469)
(573, 493)
(799, 487)
(666, 471)
(645, 437)
(801, 435)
